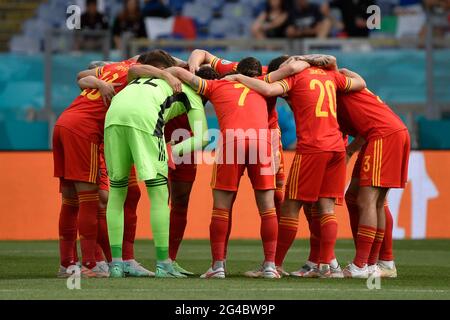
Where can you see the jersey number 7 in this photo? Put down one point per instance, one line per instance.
(243, 94)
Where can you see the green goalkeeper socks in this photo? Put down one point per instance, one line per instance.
(115, 215)
(158, 194)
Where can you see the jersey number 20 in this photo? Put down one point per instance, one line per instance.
(331, 95)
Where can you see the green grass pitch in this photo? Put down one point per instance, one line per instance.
(27, 271)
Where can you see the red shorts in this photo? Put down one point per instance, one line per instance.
(183, 173)
(277, 151)
(75, 158)
(103, 179)
(383, 162)
(233, 158)
(316, 175)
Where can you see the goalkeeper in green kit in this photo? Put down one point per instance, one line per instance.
(134, 136)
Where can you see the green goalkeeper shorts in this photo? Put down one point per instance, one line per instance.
(125, 146)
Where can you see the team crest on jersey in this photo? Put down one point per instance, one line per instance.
(316, 71)
(122, 68)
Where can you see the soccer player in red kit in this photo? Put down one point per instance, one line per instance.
(382, 164)
(224, 67)
(245, 144)
(181, 180)
(318, 171)
(77, 135)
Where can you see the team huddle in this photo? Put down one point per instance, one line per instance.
(135, 119)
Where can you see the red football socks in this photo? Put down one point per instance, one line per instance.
(376, 246)
(386, 251)
(218, 232)
(364, 241)
(68, 217)
(130, 220)
(328, 235)
(314, 239)
(102, 235)
(87, 221)
(178, 220)
(287, 230)
(269, 233)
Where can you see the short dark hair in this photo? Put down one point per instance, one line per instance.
(157, 58)
(208, 73)
(89, 2)
(275, 63)
(250, 67)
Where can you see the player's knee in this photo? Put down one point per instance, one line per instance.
(180, 199)
(290, 209)
(364, 204)
(103, 198)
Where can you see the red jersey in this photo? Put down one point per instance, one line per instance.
(223, 67)
(363, 113)
(312, 95)
(236, 106)
(86, 115)
(180, 122)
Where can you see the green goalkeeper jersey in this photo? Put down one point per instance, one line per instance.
(148, 103)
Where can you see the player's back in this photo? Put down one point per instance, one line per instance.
(312, 95)
(139, 104)
(236, 106)
(147, 103)
(364, 112)
(86, 114)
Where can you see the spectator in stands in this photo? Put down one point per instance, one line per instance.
(272, 22)
(91, 19)
(156, 8)
(354, 16)
(129, 21)
(307, 20)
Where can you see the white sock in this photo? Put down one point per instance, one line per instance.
(268, 264)
(117, 260)
(389, 264)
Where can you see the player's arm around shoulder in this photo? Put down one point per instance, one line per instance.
(199, 57)
(144, 70)
(260, 86)
(190, 79)
(354, 82)
(287, 70)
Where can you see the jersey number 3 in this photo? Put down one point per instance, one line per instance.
(330, 88)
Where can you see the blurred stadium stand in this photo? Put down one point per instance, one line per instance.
(37, 75)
